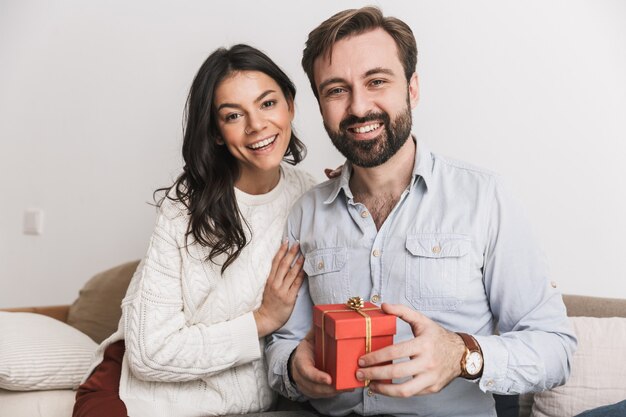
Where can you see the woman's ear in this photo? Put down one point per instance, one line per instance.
(292, 109)
(219, 140)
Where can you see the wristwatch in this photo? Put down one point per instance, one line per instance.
(472, 360)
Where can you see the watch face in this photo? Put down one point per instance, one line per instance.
(474, 363)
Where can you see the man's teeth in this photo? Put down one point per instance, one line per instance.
(263, 143)
(367, 128)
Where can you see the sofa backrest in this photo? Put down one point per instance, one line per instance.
(580, 305)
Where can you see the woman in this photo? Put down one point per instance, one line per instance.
(208, 290)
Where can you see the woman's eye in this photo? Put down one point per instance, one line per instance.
(232, 116)
(268, 103)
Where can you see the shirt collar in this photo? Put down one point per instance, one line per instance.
(342, 182)
(423, 167)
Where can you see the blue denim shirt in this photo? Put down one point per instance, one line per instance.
(457, 248)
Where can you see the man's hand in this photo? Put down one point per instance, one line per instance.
(434, 358)
(310, 381)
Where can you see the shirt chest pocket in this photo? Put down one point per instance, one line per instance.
(437, 266)
(327, 275)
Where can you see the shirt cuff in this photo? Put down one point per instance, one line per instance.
(245, 337)
(495, 364)
(281, 370)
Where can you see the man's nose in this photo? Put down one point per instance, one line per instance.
(360, 103)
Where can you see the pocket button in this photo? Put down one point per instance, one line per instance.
(436, 249)
(320, 265)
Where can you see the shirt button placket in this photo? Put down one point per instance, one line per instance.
(369, 401)
(375, 298)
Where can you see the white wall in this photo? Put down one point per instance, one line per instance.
(91, 99)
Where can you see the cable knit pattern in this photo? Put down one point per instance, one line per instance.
(191, 340)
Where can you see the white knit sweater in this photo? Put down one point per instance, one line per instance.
(192, 347)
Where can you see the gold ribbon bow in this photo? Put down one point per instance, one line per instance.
(357, 304)
(354, 304)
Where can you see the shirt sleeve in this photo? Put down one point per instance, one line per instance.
(535, 344)
(160, 344)
(281, 343)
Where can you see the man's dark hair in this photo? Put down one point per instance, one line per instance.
(354, 22)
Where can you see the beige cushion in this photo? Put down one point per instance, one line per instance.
(97, 310)
(52, 403)
(40, 353)
(598, 370)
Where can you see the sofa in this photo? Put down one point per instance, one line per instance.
(45, 351)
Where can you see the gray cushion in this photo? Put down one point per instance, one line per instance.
(97, 310)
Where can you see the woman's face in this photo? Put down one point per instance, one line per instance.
(254, 119)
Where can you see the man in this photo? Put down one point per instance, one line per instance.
(439, 243)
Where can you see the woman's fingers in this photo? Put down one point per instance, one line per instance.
(296, 284)
(284, 266)
(333, 173)
(281, 289)
(294, 270)
(280, 254)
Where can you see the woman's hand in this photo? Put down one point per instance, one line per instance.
(281, 289)
(333, 173)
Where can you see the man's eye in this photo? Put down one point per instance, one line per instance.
(268, 103)
(335, 91)
(377, 83)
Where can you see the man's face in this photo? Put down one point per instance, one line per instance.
(364, 97)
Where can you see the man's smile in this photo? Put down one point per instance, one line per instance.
(366, 128)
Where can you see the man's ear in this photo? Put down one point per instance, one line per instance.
(414, 90)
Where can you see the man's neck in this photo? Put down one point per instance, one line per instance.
(379, 188)
(390, 178)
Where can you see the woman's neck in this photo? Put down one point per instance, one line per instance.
(257, 183)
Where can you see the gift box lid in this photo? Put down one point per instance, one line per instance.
(347, 323)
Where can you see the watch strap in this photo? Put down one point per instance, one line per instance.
(470, 342)
(471, 345)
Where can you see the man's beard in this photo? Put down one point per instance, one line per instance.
(377, 151)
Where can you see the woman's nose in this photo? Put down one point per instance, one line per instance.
(256, 123)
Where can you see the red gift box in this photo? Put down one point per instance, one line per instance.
(344, 333)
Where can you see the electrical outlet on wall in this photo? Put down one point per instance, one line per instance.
(33, 222)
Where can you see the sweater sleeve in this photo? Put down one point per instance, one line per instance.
(160, 344)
